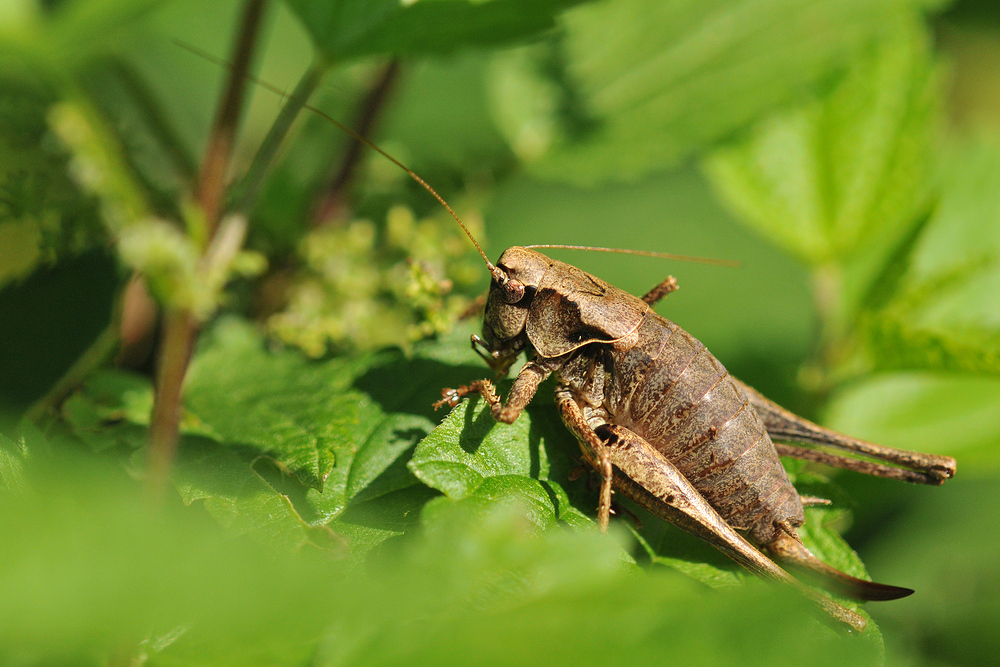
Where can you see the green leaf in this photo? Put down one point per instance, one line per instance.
(12, 478)
(341, 428)
(946, 314)
(471, 456)
(89, 568)
(94, 571)
(660, 81)
(819, 534)
(708, 572)
(348, 28)
(276, 403)
(241, 500)
(112, 408)
(832, 178)
(478, 579)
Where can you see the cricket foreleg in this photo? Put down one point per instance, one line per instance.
(907, 466)
(521, 393)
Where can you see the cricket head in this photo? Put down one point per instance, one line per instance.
(516, 276)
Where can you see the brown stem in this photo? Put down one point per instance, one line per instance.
(180, 326)
(330, 200)
(211, 184)
(180, 329)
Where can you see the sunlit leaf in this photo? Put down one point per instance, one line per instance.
(852, 170)
(276, 402)
(658, 81)
(239, 499)
(339, 427)
(470, 455)
(946, 312)
(489, 576)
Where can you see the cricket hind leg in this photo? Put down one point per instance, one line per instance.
(651, 481)
(906, 466)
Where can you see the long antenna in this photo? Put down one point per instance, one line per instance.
(322, 114)
(643, 253)
(494, 271)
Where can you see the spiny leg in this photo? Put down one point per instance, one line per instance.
(784, 425)
(521, 393)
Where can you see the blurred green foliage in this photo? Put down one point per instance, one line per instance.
(358, 290)
(845, 152)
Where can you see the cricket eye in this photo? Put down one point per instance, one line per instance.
(511, 291)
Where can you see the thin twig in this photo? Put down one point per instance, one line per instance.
(180, 329)
(211, 184)
(330, 199)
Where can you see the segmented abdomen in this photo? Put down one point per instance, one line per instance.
(671, 391)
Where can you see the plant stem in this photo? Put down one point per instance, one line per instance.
(180, 329)
(180, 326)
(211, 184)
(246, 193)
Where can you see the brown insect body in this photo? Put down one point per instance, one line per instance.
(662, 420)
(629, 366)
(671, 391)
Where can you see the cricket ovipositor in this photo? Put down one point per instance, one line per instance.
(660, 418)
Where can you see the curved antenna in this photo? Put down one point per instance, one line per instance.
(643, 253)
(494, 271)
